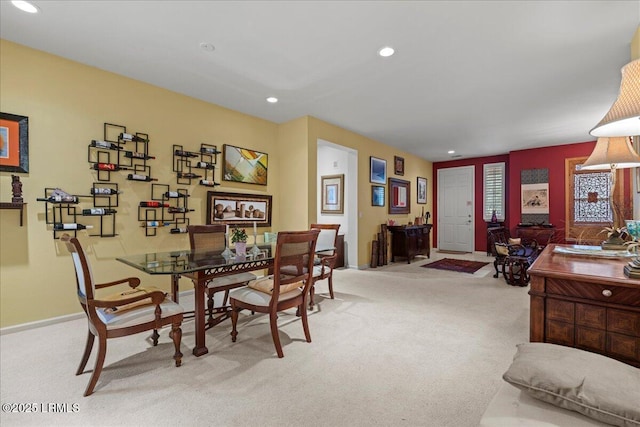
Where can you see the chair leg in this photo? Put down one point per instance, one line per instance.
(312, 292)
(331, 285)
(234, 322)
(176, 335)
(154, 336)
(97, 370)
(305, 322)
(495, 265)
(273, 320)
(87, 352)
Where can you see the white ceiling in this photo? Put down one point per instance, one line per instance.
(479, 77)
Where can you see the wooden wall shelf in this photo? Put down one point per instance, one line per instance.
(10, 205)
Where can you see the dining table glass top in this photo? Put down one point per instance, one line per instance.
(187, 261)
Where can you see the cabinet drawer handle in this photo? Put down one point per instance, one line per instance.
(607, 293)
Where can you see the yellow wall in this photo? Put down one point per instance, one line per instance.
(371, 217)
(67, 104)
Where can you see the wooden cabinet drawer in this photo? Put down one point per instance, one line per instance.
(624, 346)
(622, 321)
(591, 315)
(594, 291)
(591, 339)
(560, 310)
(559, 333)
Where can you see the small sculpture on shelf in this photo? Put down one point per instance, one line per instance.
(16, 189)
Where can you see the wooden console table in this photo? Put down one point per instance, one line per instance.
(585, 302)
(407, 241)
(542, 235)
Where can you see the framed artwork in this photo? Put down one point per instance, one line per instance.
(244, 165)
(399, 196)
(422, 190)
(377, 195)
(378, 171)
(238, 209)
(14, 143)
(332, 194)
(535, 198)
(398, 165)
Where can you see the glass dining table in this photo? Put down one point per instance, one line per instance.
(202, 266)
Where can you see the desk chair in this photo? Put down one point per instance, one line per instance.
(326, 260)
(212, 238)
(287, 288)
(129, 312)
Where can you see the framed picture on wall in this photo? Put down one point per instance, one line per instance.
(378, 171)
(244, 165)
(535, 198)
(377, 195)
(238, 209)
(422, 190)
(636, 146)
(398, 165)
(14, 143)
(399, 196)
(332, 194)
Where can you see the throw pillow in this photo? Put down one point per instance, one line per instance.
(591, 384)
(502, 249)
(515, 241)
(130, 294)
(265, 284)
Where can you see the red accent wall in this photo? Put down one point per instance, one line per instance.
(552, 158)
(478, 162)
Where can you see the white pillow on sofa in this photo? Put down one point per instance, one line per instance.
(591, 384)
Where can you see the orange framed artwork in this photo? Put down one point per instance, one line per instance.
(14, 143)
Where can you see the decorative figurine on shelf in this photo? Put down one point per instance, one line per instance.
(16, 188)
(494, 217)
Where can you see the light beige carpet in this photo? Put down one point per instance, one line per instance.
(400, 345)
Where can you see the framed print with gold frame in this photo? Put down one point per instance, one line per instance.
(332, 194)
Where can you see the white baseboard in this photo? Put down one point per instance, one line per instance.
(52, 321)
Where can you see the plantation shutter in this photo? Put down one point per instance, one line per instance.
(494, 183)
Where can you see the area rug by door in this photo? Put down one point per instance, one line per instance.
(459, 265)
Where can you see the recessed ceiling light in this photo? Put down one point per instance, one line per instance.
(386, 51)
(451, 152)
(25, 6)
(207, 46)
(272, 99)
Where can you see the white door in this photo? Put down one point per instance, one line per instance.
(455, 209)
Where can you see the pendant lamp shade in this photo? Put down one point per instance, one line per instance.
(612, 153)
(623, 118)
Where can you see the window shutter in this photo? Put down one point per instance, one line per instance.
(494, 191)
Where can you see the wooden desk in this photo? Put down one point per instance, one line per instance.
(587, 303)
(409, 241)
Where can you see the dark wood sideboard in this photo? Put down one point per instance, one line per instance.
(585, 302)
(543, 235)
(407, 241)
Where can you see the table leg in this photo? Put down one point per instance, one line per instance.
(175, 278)
(200, 289)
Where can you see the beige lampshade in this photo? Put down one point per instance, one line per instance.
(612, 153)
(623, 118)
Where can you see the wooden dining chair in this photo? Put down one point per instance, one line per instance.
(211, 237)
(125, 313)
(325, 259)
(287, 288)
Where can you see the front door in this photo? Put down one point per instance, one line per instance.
(455, 209)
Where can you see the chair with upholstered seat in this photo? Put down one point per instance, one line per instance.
(128, 312)
(513, 255)
(211, 237)
(325, 259)
(287, 288)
